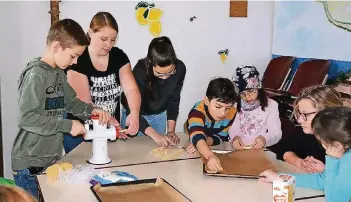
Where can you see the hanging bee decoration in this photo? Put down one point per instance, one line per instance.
(223, 55)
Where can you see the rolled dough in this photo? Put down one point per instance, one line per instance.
(166, 153)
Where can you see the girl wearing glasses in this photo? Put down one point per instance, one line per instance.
(333, 131)
(160, 78)
(302, 149)
(257, 123)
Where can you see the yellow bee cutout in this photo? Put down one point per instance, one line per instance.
(223, 55)
(147, 14)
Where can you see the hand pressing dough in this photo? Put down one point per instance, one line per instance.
(247, 147)
(166, 153)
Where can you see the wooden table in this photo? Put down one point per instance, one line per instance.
(130, 152)
(184, 173)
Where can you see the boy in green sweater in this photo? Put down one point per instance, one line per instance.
(44, 95)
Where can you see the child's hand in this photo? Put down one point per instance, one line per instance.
(303, 164)
(315, 165)
(213, 163)
(163, 141)
(268, 176)
(237, 143)
(104, 117)
(308, 165)
(116, 124)
(77, 128)
(336, 150)
(259, 142)
(191, 149)
(172, 136)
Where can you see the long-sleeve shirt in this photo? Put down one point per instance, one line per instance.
(168, 91)
(248, 125)
(302, 144)
(335, 180)
(44, 95)
(201, 125)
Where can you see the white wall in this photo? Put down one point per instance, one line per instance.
(196, 43)
(310, 33)
(24, 26)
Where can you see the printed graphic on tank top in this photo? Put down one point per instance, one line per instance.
(105, 87)
(105, 92)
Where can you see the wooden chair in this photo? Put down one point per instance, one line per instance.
(309, 73)
(277, 72)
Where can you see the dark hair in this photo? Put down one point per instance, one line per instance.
(101, 20)
(334, 124)
(262, 97)
(68, 32)
(162, 54)
(223, 90)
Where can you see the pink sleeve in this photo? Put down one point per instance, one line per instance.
(235, 128)
(274, 133)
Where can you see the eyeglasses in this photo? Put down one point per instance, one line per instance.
(304, 116)
(248, 93)
(163, 75)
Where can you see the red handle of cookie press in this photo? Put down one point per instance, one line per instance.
(118, 135)
(94, 117)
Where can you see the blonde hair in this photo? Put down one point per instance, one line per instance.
(322, 97)
(14, 194)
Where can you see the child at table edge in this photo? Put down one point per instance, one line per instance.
(44, 95)
(332, 129)
(257, 123)
(210, 119)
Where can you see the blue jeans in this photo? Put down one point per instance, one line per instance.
(26, 181)
(70, 142)
(156, 121)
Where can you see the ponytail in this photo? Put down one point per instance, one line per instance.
(88, 37)
(150, 80)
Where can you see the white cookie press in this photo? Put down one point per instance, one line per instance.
(99, 134)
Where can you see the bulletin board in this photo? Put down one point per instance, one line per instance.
(238, 8)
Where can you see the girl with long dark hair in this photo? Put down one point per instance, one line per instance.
(160, 77)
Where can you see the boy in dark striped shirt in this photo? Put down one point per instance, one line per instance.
(210, 119)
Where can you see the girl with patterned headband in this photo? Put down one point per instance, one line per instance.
(257, 123)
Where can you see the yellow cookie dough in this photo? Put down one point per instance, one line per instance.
(166, 153)
(55, 170)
